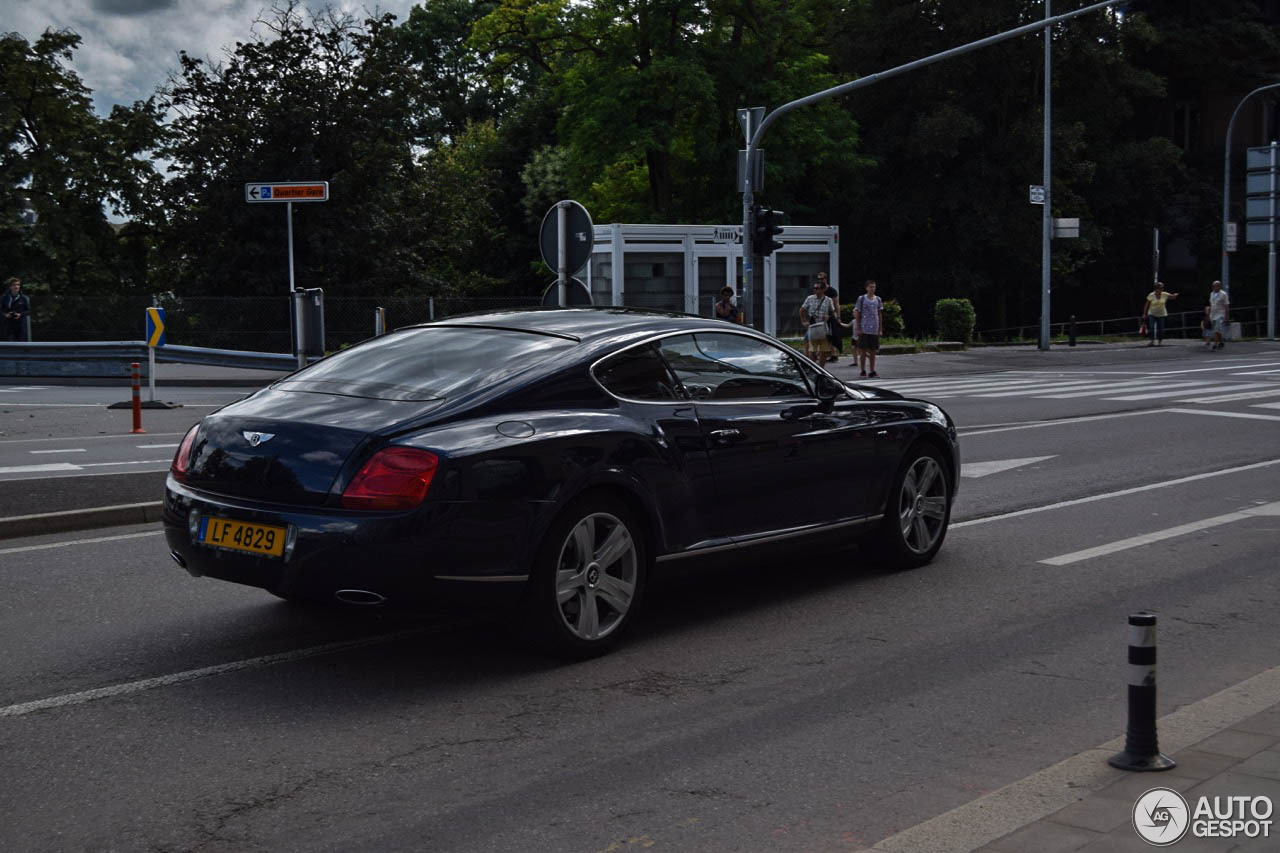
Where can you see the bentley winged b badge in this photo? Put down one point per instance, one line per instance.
(256, 438)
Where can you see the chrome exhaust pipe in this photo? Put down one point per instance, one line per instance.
(178, 558)
(361, 597)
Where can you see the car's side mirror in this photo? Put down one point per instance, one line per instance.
(829, 390)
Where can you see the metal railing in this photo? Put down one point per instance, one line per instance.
(1181, 324)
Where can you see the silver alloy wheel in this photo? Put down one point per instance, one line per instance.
(922, 505)
(596, 576)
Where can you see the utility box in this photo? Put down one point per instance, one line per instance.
(306, 313)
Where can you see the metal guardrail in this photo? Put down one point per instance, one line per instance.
(112, 358)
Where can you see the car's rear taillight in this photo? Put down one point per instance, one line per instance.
(395, 478)
(182, 459)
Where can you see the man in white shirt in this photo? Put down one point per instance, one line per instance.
(1217, 309)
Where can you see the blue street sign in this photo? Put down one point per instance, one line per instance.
(155, 327)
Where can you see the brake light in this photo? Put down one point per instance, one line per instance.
(182, 459)
(394, 478)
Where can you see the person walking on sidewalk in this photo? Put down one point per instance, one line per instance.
(868, 320)
(1155, 312)
(1217, 310)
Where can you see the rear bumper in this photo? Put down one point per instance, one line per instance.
(440, 552)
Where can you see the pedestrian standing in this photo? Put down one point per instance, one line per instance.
(1218, 309)
(834, 323)
(725, 307)
(15, 306)
(1155, 312)
(815, 314)
(868, 321)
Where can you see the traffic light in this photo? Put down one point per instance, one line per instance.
(764, 225)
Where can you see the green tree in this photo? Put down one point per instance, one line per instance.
(647, 91)
(72, 167)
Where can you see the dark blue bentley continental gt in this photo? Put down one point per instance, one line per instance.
(552, 458)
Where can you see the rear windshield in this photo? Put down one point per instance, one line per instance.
(426, 364)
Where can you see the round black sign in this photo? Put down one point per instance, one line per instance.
(580, 236)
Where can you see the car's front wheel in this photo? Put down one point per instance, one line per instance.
(589, 577)
(919, 508)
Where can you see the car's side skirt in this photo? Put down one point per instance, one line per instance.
(773, 537)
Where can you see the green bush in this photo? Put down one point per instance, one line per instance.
(893, 322)
(955, 319)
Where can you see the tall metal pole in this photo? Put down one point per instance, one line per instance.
(1226, 184)
(844, 88)
(1271, 253)
(1046, 214)
(289, 217)
(562, 253)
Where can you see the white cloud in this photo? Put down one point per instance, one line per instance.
(129, 47)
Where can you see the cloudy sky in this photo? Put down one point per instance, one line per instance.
(129, 47)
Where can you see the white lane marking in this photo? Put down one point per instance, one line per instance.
(1219, 367)
(220, 669)
(1179, 387)
(1259, 373)
(982, 469)
(1121, 493)
(138, 462)
(63, 450)
(1267, 406)
(36, 469)
(93, 541)
(1063, 421)
(1231, 398)
(1215, 414)
(61, 405)
(79, 472)
(78, 438)
(1168, 533)
(153, 446)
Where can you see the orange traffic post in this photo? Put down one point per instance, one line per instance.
(137, 397)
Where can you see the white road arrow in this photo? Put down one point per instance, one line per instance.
(982, 469)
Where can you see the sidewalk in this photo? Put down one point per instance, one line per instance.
(1226, 745)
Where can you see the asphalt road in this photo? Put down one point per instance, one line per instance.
(818, 705)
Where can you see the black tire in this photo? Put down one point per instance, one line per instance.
(918, 510)
(579, 603)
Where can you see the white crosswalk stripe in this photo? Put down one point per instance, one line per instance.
(1124, 387)
(1239, 393)
(1267, 406)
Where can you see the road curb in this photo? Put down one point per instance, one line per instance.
(79, 519)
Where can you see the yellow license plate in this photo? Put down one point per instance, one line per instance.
(264, 539)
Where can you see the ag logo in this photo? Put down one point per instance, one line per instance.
(1161, 816)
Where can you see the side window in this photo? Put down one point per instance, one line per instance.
(715, 366)
(638, 374)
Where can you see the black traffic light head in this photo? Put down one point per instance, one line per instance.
(764, 227)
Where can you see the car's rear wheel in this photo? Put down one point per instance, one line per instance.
(919, 508)
(589, 577)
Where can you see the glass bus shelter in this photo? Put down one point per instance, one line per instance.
(683, 268)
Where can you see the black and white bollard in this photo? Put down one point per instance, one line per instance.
(1141, 747)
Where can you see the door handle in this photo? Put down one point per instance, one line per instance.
(726, 436)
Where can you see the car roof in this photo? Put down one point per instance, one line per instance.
(586, 324)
